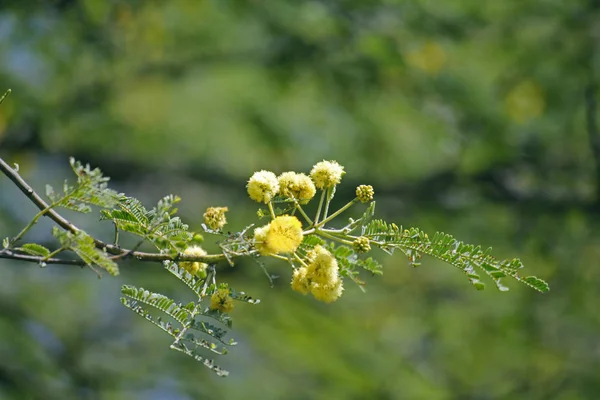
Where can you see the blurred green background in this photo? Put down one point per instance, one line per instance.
(474, 118)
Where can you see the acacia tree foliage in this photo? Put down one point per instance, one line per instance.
(321, 256)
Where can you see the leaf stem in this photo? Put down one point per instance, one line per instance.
(332, 237)
(319, 208)
(338, 212)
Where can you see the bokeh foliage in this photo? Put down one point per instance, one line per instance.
(467, 117)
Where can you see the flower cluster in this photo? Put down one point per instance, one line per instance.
(320, 277)
(318, 272)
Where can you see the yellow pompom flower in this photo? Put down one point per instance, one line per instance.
(194, 267)
(260, 240)
(263, 186)
(327, 292)
(221, 300)
(323, 268)
(297, 186)
(300, 282)
(284, 235)
(214, 217)
(326, 174)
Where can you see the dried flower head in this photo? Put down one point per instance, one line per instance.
(214, 217)
(194, 267)
(263, 186)
(365, 193)
(221, 300)
(300, 282)
(326, 174)
(297, 186)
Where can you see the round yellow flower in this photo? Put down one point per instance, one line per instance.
(327, 292)
(323, 268)
(284, 234)
(221, 300)
(300, 282)
(297, 186)
(263, 186)
(194, 267)
(214, 217)
(260, 240)
(327, 174)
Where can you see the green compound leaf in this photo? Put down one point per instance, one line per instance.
(193, 335)
(83, 245)
(196, 355)
(178, 312)
(414, 243)
(138, 309)
(157, 225)
(91, 189)
(34, 249)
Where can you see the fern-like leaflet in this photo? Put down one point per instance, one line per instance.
(414, 243)
(158, 225)
(190, 325)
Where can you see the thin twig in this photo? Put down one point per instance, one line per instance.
(36, 259)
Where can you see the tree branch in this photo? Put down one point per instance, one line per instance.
(116, 251)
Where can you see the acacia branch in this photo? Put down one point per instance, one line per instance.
(117, 251)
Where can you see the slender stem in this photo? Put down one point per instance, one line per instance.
(320, 206)
(327, 201)
(306, 217)
(271, 210)
(4, 96)
(278, 257)
(297, 257)
(55, 252)
(38, 260)
(332, 237)
(30, 225)
(335, 214)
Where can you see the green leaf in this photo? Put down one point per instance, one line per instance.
(188, 279)
(414, 243)
(156, 225)
(193, 352)
(159, 301)
(83, 245)
(141, 311)
(34, 249)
